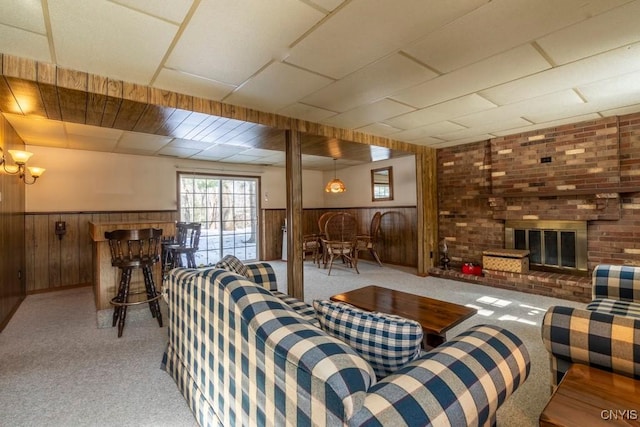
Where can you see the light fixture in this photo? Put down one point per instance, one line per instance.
(20, 158)
(335, 185)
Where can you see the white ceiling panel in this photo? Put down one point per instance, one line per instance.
(366, 30)
(93, 131)
(123, 35)
(216, 46)
(447, 110)
(24, 14)
(511, 23)
(327, 5)
(170, 10)
(428, 131)
(143, 141)
(487, 129)
(370, 83)
(37, 129)
(621, 111)
(618, 88)
(306, 112)
(242, 158)
(368, 114)
(188, 143)
(15, 41)
(84, 142)
(193, 85)
(277, 86)
(555, 101)
(530, 128)
(380, 129)
(614, 28)
(600, 67)
(178, 152)
(516, 63)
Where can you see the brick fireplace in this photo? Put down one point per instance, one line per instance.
(587, 172)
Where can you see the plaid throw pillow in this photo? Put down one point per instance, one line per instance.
(231, 263)
(386, 341)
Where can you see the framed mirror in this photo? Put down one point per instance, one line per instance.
(382, 184)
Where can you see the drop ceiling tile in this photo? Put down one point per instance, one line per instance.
(37, 129)
(327, 5)
(485, 129)
(380, 129)
(469, 140)
(426, 141)
(445, 111)
(24, 14)
(170, 10)
(618, 88)
(361, 33)
(368, 114)
(193, 85)
(546, 125)
(555, 102)
(516, 63)
(143, 141)
(599, 67)
(306, 112)
(370, 83)
(74, 129)
(499, 26)
(621, 111)
(108, 39)
(616, 27)
(187, 143)
(222, 151)
(242, 158)
(229, 41)
(178, 151)
(84, 142)
(427, 131)
(14, 41)
(276, 86)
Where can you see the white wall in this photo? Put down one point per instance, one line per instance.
(78, 180)
(357, 179)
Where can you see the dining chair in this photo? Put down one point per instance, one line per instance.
(368, 241)
(340, 232)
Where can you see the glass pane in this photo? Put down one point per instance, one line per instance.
(568, 248)
(535, 246)
(551, 247)
(519, 239)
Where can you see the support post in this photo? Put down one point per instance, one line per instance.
(295, 272)
(427, 210)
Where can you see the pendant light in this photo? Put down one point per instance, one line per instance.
(335, 185)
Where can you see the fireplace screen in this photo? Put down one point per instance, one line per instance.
(552, 245)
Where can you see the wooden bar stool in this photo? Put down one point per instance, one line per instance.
(187, 242)
(132, 249)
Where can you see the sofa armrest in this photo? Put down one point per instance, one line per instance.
(262, 274)
(574, 335)
(619, 282)
(462, 382)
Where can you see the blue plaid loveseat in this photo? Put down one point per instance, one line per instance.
(242, 356)
(606, 334)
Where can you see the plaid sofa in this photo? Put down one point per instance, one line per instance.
(242, 356)
(606, 334)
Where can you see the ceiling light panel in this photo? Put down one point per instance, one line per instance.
(362, 32)
(499, 26)
(368, 114)
(610, 64)
(370, 83)
(277, 86)
(108, 39)
(614, 28)
(516, 63)
(215, 46)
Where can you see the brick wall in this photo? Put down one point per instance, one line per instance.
(585, 171)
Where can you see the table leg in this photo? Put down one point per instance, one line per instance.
(431, 341)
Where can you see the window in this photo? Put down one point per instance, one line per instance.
(382, 184)
(227, 208)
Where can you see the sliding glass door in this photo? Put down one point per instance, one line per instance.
(227, 208)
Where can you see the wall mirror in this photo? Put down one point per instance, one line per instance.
(382, 184)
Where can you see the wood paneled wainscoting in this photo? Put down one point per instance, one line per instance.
(397, 242)
(53, 263)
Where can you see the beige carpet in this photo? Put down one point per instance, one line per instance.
(58, 369)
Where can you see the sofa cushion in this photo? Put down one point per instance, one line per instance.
(302, 308)
(615, 307)
(386, 341)
(231, 263)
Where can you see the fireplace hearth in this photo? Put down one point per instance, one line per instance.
(559, 246)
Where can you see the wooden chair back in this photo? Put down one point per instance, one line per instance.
(188, 234)
(341, 227)
(134, 248)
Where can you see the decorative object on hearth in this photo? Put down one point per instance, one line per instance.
(335, 185)
(444, 259)
(471, 268)
(509, 260)
(20, 159)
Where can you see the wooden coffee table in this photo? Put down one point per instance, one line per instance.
(436, 317)
(588, 396)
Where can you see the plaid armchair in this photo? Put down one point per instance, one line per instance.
(241, 356)
(606, 334)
